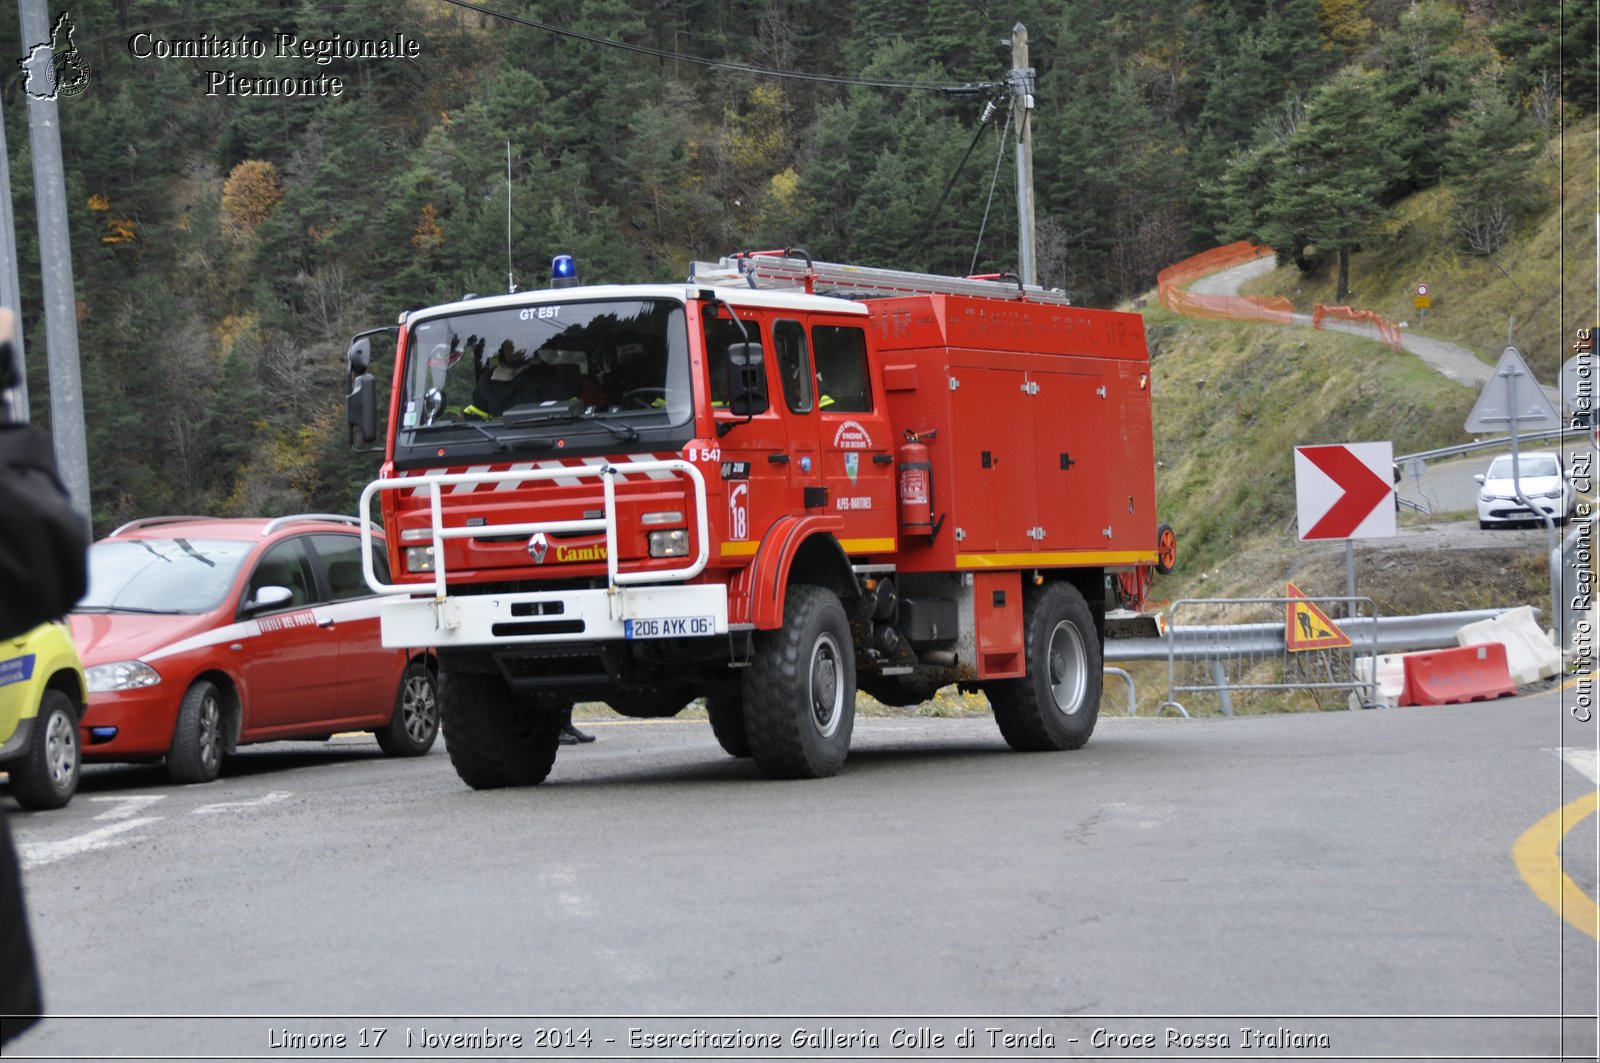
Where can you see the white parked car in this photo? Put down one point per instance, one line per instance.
(1545, 483)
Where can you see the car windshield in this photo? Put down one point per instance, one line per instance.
(1530, 464)
(161, 575)
(611, 360)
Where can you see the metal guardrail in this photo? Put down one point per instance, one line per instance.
(1486, 444)
(1389, 634)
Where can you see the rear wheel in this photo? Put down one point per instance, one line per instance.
(494, 737)
(1056, 705)
(727, 723)
(800, 689)
(415, 723)
(47, 775)
(197, 741)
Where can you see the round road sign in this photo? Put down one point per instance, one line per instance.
(1422, 289)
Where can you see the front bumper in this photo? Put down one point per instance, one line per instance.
(143, 720)
(556, 617)
(1507, 511)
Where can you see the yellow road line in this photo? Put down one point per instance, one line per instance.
(1537, 855)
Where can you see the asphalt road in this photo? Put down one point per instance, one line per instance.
(1347, 875)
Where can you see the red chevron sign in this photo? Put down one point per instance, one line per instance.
(1345, 491)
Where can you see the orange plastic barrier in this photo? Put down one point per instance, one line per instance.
(1464, 673)
(1388, 331)
(1172, 282)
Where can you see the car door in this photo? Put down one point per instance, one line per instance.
(291, 662)
(369, 674)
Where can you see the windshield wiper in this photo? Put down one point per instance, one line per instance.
(625, 432)
(499, 444)
(123, 609)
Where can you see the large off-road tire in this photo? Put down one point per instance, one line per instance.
(800, 689)
(198, 740)
(1056, 705)
(415, 723)
(47, 775)
(727, 724)
(494, 737)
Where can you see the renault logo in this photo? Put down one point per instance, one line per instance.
(538, 546)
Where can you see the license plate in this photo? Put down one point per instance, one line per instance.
(669, 627)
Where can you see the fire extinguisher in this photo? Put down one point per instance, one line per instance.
(916, 485)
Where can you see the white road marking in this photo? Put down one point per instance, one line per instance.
(126, 806)
(223, 806)
(1586, 761)
(37, 854)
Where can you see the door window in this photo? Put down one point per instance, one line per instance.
(341, 561)
(285, 565)
(842, 379)
(794, 367)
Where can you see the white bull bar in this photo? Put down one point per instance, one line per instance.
(609, 613)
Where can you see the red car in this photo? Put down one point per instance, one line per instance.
(200, 635)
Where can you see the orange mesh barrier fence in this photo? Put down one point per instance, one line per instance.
(1388, 331)
(1172, 284)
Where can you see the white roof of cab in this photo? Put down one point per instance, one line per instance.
(754, 297)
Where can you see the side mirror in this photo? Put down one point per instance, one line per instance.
(270, 596)
(359, 356)
(747, 378)
(1478, 477)
(361, 409)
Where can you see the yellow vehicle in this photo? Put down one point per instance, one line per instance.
(42, 695)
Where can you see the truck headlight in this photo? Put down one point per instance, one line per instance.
(419, 559)
(120, 675)
(674, 543)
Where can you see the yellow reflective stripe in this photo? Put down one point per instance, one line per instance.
(1057, 557)
(740, 549)
(867, 546)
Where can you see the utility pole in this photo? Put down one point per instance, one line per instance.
(1020, 78)
(55, 268)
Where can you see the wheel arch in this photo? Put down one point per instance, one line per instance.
(70, 682)
(232, 705)
(799, 550)
(1090, 583)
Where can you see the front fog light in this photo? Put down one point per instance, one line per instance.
(122, 675)
(419, 559)
(674, 543)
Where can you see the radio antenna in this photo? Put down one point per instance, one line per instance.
(511, 284)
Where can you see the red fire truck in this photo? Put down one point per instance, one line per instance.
(769, 486)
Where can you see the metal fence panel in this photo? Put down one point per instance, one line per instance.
(1221, 645)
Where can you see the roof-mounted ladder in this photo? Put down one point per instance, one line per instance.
(793, 268)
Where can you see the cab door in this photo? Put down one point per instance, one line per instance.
(855, 452)
(368, 673)
(291, 665)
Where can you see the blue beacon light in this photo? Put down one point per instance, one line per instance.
(563, 272)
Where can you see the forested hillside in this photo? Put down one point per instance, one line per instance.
(227, 245)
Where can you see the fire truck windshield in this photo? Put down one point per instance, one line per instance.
(510, 379)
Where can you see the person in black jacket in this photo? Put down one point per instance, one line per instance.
(43, 572)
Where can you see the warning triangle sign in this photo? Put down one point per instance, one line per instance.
(1305, 627)
(1512, 400)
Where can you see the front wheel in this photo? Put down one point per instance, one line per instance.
(800, 689)
(415, 723)
(47, 775)
(727, 724)
(494, 737)
(1055, 706)
(197, 741)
